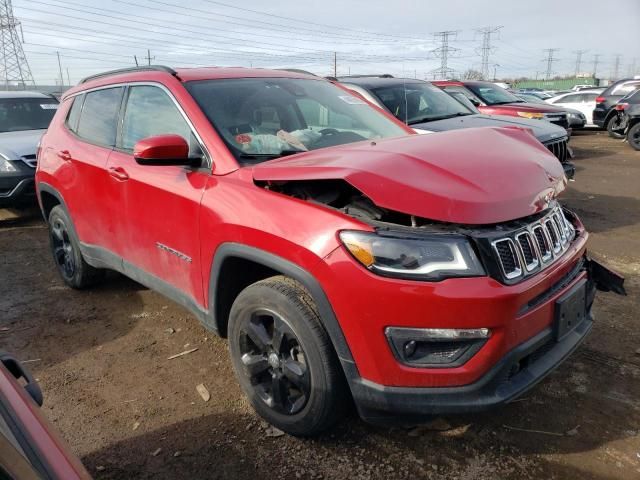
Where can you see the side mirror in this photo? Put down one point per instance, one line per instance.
(163, 150)
(475, 102)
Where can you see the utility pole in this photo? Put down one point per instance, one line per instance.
(13, 62)
(486, 48)
(596, 60)
(579, 60)
(68, 77)
(135, 57)
(443, 53)
(495, 65)
(335, 64)
(550, 60)
(149, 57)
(616, 67)
(60, 70)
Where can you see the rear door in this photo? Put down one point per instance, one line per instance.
(160, 204)
(82, 152)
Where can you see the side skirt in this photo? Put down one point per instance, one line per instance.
(99, 257)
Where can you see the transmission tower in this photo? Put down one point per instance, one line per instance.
(443, 53)
(579, 60)
(632, 67)
(14, 68)
(486, 48)
(550, 60)
(596, 60)
(616, 67)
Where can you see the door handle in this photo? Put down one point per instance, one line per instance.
(19, 372)
(119, 173)
(64, 155)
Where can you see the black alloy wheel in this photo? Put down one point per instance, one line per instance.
(275, 362)
(633, 136)
(62, 249)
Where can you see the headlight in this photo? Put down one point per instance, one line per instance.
(535, 115)
(5, 165)
(429, 257)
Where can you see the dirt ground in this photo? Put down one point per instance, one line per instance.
(129, 412)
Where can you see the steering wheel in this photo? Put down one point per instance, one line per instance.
(329, 131)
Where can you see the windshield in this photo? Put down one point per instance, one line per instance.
(492, 94)
(17, 114)
(264, 118)
(531, 98)
(419, 102)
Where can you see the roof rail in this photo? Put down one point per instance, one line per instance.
(149, 68)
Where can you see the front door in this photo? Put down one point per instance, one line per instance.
(161, 204)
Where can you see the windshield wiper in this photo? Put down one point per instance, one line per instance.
(442, 117)
(269, 156)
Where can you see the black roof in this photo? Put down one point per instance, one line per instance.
(375, 82)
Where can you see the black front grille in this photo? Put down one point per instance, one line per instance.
(527, 250)
(559, 148)
(507, 256)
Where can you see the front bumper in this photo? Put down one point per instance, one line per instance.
(517, 372)
(17, 188)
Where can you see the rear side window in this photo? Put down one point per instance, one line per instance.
(99, 116)
(150, 111)
(74, 113)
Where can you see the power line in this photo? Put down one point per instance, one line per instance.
(443, 52)
(550, 60)
(579, 54)
(486, 48)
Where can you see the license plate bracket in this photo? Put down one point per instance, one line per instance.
(570, 310)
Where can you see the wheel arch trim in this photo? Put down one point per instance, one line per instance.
(290, 269)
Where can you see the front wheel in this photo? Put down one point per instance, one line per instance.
(613, 127)
(633, 136)
(283, 358)
(73, 269)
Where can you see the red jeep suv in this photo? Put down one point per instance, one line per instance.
(344, 258)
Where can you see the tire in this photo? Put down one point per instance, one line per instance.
(611, 124)
(296, 384)
(65, 248)
(633, 136)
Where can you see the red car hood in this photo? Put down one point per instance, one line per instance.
(471, 176)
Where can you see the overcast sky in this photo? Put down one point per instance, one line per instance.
(369, 36)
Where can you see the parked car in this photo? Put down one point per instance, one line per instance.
(494, 100)
(628, 109)
(583, 86)
(604, 114)
(576, 118)
(315, 230)
(583, 100)
(30, 447)
(427, 108)
(24, 116)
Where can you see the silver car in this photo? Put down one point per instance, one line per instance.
(24, 117)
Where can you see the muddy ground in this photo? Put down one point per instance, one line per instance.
(101, 359)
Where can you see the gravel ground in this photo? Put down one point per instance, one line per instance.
(101, 357)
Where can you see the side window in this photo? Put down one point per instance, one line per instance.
(150, 111)
(99, 116)
(74, 113)
(590, 97)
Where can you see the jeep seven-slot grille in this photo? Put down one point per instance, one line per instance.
(559, 148)
(535, 246)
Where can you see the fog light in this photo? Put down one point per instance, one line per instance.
(435, 347)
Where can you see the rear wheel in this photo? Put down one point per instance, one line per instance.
(73, 269)
(283, 358)
(633, 136)
(613, 127)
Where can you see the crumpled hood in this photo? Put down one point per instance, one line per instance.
(543, 131)
(14, 145)
(471, 176)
